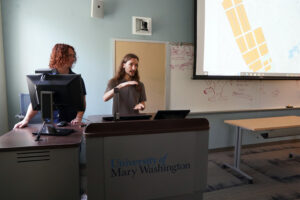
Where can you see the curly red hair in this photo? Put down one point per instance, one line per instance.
(60, 55)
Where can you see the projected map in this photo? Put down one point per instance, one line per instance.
(250, 37)
(251, 43)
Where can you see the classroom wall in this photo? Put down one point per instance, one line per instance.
(32, 27)
(3, 101)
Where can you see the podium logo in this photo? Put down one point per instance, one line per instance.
(146, 166)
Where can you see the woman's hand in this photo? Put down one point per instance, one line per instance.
(29, 115)
(21, 124)
(76, 121)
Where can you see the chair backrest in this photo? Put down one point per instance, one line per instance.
(24, 103)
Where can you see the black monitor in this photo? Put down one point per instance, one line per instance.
(171, 114)
(48, 92)
(67, 90)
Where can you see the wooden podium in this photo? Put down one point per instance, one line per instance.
(47, 169)
(147, 159)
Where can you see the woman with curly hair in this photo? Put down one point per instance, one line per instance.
(132, 95)
(62, 58)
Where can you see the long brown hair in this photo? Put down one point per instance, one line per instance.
(60, 55)
(121, 71)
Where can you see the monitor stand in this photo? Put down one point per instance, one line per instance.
(47, 115)
(49, 129)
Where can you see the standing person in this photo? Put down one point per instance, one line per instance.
(132, 95)
(62, 58)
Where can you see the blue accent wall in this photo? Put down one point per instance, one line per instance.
(32, 27)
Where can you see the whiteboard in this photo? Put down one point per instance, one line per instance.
(224, 95)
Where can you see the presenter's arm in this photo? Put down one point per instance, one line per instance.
(78, 119)
(110, 93)
(140, 106)
(29, 115)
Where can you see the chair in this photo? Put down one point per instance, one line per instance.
(24, 103)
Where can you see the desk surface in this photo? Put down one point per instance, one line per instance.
(141, 127)
(20, 139)
(266, 123)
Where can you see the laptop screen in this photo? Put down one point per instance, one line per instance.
(128, 117)
(171, 114)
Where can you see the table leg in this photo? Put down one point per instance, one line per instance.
(237, 156)
(237, 147)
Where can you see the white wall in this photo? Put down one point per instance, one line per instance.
(3, 99)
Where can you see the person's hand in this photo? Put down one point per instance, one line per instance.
(21, 124)
(76, 121)
(127, 83)
(139, 106)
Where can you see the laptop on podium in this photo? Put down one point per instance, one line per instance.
(171, 114)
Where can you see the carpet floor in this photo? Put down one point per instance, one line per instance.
(276, 175)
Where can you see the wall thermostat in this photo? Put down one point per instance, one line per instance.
(141, 26)
(97, 9)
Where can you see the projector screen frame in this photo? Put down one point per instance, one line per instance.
(199, 58)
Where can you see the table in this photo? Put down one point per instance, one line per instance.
(47, 169)
(255, 125)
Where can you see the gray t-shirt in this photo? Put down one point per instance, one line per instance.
(129, 97)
